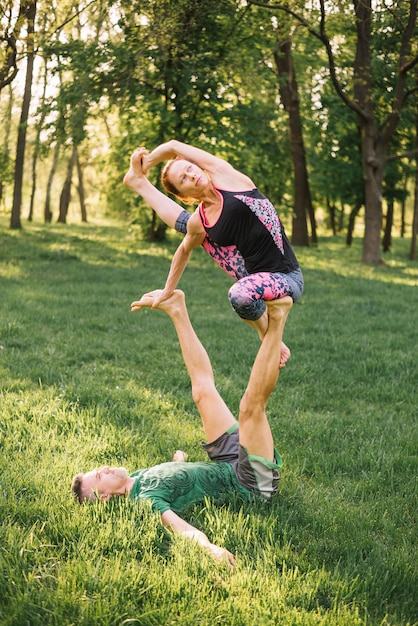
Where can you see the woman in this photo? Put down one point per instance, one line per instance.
(234, 222)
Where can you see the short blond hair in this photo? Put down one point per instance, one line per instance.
(77, 488)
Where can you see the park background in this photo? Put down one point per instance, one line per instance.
(318, 103)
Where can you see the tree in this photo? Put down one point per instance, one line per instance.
(413, 249)
(30, 13)
(9, 40)
(6, 173)
(196, 74)
(66, 189)
(388, 48)
(37, 143)
(289, 93)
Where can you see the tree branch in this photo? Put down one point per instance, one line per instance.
(399, 96)
(323, 38)
(6, 76)
(71, 18)
(404, 155)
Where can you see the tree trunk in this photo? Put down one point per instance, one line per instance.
(331, 212)
(373, 225)
(36, 149)
(341, 218)
(66, 190)
(81, 194)
(4, 170)
(351, 222)
(373, 169)
(302, 196)
(15, 222)
(413, 251)
(387, 237)
(47, 208)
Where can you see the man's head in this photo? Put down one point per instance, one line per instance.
(100, 483)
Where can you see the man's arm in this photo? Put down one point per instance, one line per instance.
(181, 527)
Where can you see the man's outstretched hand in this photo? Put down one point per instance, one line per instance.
(221, 554)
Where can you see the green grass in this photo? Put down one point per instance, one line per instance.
(83, 381)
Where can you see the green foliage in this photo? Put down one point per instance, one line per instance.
(83, 381)
(6, 165)
(122, 74)
(197, 73)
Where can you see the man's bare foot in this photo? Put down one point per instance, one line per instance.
(175, 303)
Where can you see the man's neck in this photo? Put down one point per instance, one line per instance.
(128, 485)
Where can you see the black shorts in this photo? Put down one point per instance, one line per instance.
(255, 473)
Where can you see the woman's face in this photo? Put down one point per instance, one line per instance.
(189, 179)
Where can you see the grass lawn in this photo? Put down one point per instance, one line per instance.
(84, 382)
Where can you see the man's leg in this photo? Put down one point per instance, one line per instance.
(216, 417)
(254, 428)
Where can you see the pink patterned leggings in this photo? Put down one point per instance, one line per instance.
(248, 294)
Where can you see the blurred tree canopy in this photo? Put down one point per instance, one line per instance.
(337, 118)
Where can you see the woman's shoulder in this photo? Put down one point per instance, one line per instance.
(245, 190)
(230, 179)
(194, 225)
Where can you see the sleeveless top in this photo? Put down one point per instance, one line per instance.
(249, 221)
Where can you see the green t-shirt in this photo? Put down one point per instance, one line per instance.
(174, 485)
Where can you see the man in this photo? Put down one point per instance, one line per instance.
(242, 453)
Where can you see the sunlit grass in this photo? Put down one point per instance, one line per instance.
(84, 382)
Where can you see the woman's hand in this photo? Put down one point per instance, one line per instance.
(136, 173)
(151, 299)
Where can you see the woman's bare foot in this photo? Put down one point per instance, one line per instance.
(135, 174)
(279, 308)
(261, 326)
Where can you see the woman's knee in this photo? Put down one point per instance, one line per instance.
(245, 305)
(296, 281)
